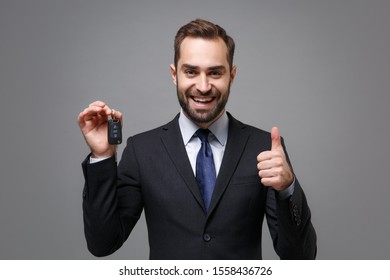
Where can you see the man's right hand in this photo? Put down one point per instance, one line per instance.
(93, 122)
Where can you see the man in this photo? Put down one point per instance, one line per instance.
(205, 192)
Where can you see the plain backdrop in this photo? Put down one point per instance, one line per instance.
(319, 70)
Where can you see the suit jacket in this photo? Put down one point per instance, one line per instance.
(155, 174)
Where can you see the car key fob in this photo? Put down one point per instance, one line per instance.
(114, 132)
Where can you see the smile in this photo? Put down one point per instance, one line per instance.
(203, 100)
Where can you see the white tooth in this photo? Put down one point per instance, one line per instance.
(202, 100)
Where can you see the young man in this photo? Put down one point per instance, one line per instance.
(205, 180)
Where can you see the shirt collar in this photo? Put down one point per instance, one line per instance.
(219, 128)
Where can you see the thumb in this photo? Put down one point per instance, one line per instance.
(275, 137)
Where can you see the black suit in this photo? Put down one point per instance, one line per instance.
(155, 174)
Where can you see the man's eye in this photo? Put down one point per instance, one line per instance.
(215, 73)
(190, 72)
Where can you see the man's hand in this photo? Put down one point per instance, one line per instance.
(93, 122)
(273, 167)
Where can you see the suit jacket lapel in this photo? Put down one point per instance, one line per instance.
(237, 139)
(173, 142)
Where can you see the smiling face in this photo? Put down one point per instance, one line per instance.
(203, 77)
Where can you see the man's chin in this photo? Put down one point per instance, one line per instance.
(202, 116)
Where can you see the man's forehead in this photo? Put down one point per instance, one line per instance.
(194, 51)
(204, 42)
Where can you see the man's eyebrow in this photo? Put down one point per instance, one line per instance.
(193, 67)
(218, 67)
(188, 66)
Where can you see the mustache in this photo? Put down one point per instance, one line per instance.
(196, 93)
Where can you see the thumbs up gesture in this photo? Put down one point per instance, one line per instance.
(273, 167)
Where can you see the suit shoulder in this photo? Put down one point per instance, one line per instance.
(155, 133)
(248, 128)
(257, 131)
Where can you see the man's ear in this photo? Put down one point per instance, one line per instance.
(173, 74)
(233, 74)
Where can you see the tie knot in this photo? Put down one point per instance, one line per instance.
(203, 134)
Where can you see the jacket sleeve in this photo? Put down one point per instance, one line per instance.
(112, 202)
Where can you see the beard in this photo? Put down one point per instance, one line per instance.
(198, 115)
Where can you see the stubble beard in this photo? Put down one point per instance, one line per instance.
(203, 116)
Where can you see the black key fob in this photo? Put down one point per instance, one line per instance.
(114, 132)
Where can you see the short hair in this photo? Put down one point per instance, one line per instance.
(200, 28)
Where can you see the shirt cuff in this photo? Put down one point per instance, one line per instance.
(96, 160)
(286, 193)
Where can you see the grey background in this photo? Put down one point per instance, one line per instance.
(320, 70)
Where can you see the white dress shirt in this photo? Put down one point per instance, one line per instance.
(217, 139)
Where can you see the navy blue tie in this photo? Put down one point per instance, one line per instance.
(205, 169)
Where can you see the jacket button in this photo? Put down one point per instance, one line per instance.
(206, 237)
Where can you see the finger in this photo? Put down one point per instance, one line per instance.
(94, 111)
(116, 114)
(268, 164)
(97, 103)
(275, 137)
(270, 173)
(100, 109)
(80, 117)
(267, 155)
(86, 117)
(112, 112)
(271, 182)
(95, 114)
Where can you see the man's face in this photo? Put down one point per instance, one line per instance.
(203, 78)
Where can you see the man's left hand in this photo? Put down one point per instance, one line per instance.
(274, 170)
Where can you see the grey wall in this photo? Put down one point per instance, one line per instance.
(320, 70)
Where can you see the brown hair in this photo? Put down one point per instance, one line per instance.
(200, 28)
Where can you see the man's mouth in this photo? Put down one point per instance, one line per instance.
(203, 100)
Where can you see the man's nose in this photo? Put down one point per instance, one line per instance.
(203, 85)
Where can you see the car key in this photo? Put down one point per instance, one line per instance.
(114, 131)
